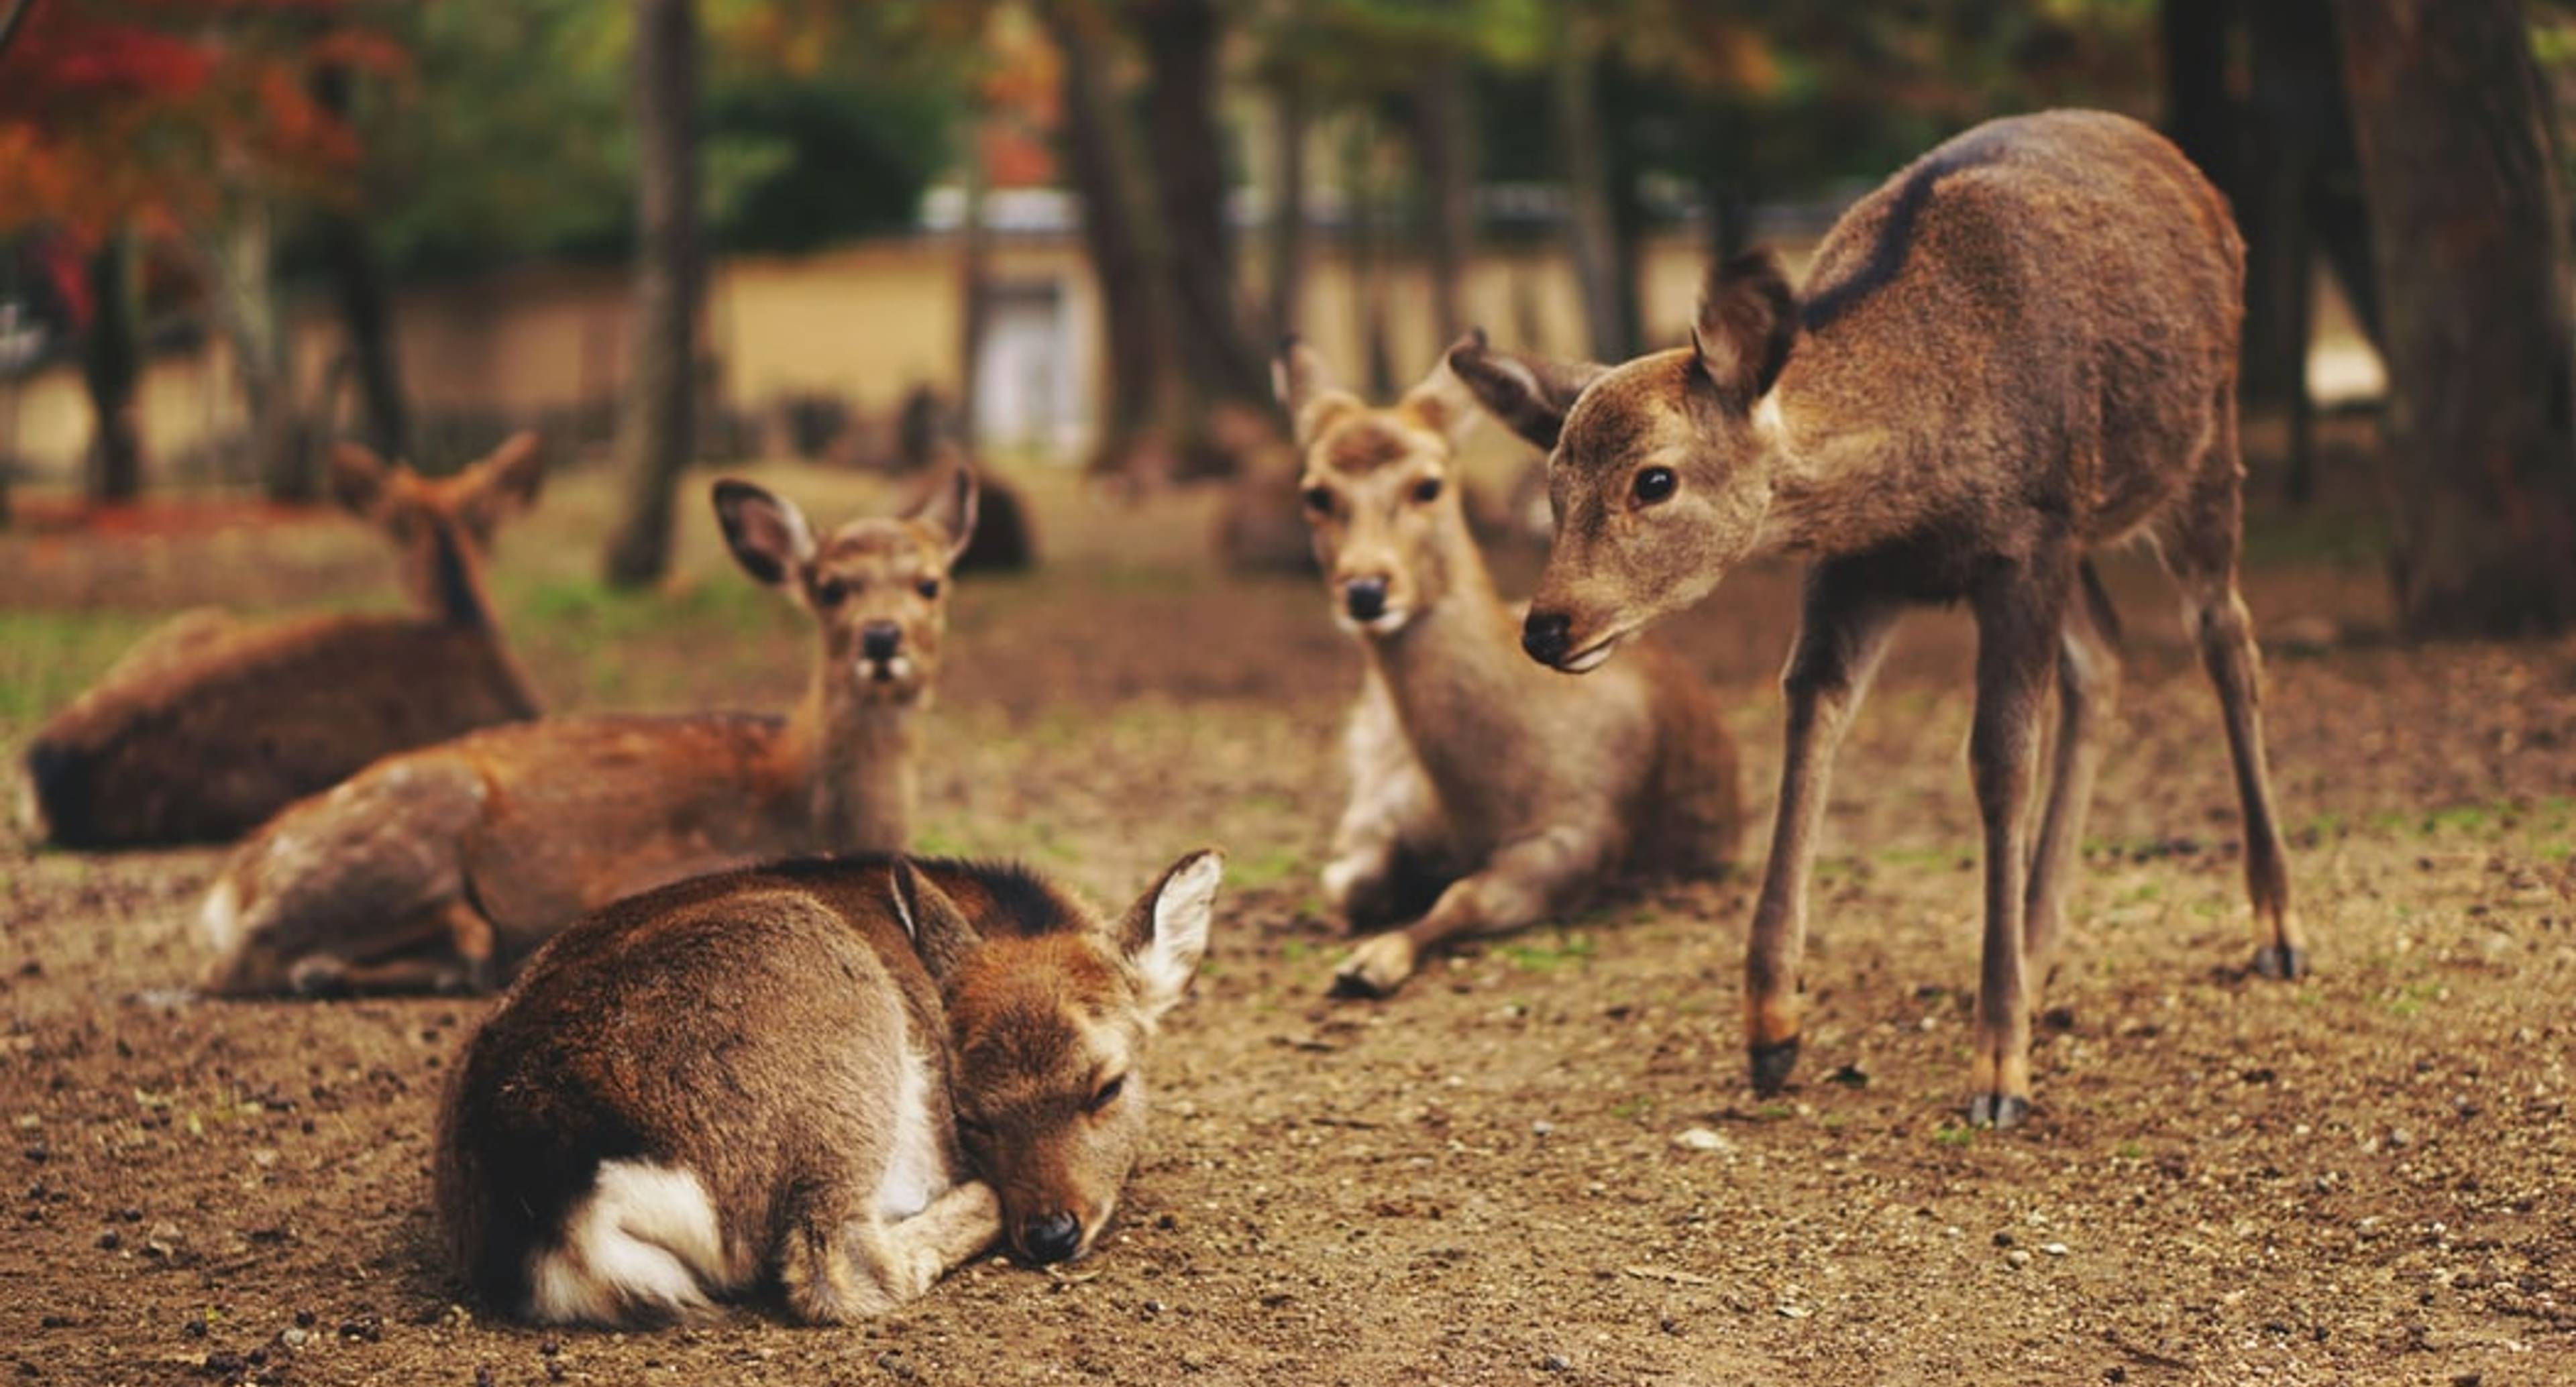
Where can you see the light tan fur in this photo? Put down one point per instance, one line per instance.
(436, 868)
(846, 1074)
(211, 724)
(2019, 349)
(1487, 794)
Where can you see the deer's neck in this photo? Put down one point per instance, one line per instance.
(1841, 481)
(854, 762)
(455, 594)
(1453, 666)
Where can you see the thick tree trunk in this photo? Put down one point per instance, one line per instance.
(1367, 259)
(1288, 219)
(111, 363)
(1180, 40)
(2200, 115)
(657, 417)
(1120, 237)
(1577, 119)
(2461, 177)
(248, 302)
(1443, 134)
(366, 310)
(2295, 96)
(974, 285)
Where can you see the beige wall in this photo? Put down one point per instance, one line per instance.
(866, 322)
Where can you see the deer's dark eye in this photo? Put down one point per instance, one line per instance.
(1427, 490)
(828, 592)
(929, 587)
(1107, 1094)
(1319, 499)
(1655, 485)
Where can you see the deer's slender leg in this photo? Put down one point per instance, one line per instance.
(2088, 692)
(2020, 616)
(908, 1258)
(1520, 885)
(1842, 632)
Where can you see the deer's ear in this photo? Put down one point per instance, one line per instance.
(1165, 933)
(768, 535)
(1748, 320)
(951, 506)
(940, 932)
(1305, 389)
(1530, 395)
(503, 483)
(1443, 403)
(357, 477)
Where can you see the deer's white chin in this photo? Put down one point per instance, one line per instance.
(1385, 623)
(1593, 656)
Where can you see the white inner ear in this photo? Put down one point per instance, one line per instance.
(903, 908)
(1181, 914)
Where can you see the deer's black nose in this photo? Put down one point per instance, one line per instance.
(878, 640)
(1051, 1237)
(1545, 635)
(1366, 597)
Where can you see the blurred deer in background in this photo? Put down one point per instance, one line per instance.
(1486, 793)
(429, 868)
(2017, 350)
(211, 724)
(848, 1075)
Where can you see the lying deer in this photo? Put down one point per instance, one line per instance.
(1486, 794)
(791, 1071)
(2020, 349)
(211, 724)
(429, 868)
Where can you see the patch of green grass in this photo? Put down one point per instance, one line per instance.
(2130, 1151)
(1549, 955)
(2410, 998)
(1952, 1134)
(1775, 1112)
(1253, 871)
(1633, 1109)
(47, 657)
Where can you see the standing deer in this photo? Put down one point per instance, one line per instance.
(849, 1075)
(1486, 794)
(211, 724)
(2020, 349)
(428, 868)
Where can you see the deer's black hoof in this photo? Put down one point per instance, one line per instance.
(1997, 1110)
(2281, 962)
(1771, 1064)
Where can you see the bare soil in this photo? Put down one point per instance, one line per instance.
(2369, 1176)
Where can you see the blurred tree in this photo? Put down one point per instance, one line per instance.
(656, 427)
(187, 123)
(2460, 170)
(366, 308)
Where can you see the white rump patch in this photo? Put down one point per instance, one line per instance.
(646, 1240)
(916, 1169)
(219, 920)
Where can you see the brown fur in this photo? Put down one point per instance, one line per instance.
(752, 1032)
(431, 868)
(211, 725)
(2021, 348)
(1487, 794)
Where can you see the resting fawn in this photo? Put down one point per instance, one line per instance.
(428, 868)
(849, 1074)
(2018, 350)
(211, 724)
(1486, 793)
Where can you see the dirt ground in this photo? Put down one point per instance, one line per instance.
(2369, 1176)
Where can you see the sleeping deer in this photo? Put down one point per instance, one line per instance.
(211, 724)
(2018, 350)
(429, 868)
(848, 1075)
(1486, 794)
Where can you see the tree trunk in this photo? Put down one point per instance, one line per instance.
(111, 363)
(366, 311)
(2200, 114)
(657, 419)
(1623, 176)
(1360, 198)
(248, 303)
(1577, 111)
(1443, 135)
(974, 285)
(1288, 221)
(1121, 238)
(2461, 177)
(2294, 97)
(1180, 40)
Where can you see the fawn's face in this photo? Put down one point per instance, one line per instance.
(1660, 470)
(876, 588)
(1046, 1034)
(1378, 491)
(436, 521)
